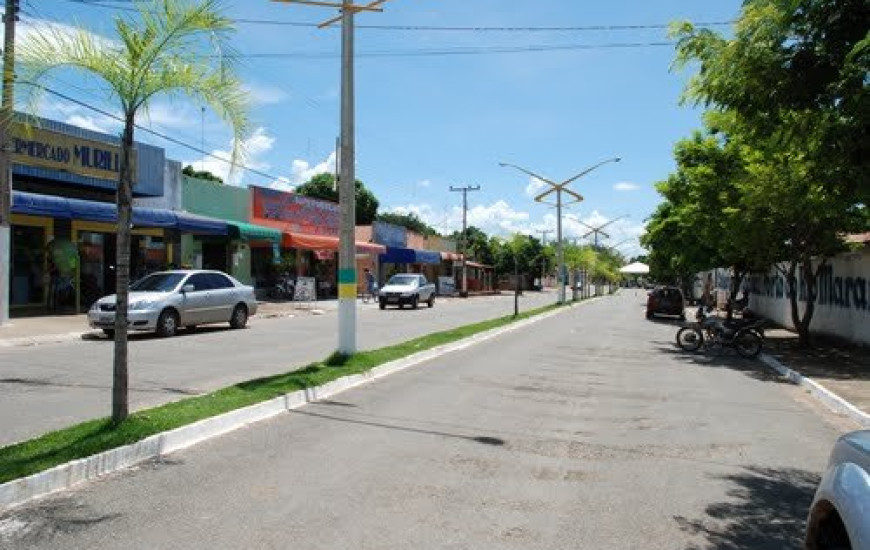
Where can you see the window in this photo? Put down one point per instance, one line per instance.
(219, 281)
(200, 281)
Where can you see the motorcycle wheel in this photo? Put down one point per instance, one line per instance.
(689, 338)
(747, 343)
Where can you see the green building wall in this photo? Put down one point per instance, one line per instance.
(224, 202)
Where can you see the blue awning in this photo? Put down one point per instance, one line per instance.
(93, 211)
(409, 256)
(191, 223)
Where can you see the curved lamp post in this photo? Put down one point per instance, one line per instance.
(559, 188)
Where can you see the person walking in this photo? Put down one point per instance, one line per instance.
(370, 285)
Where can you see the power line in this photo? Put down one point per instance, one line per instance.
(477, 50)
(150, 131)
(416, 28)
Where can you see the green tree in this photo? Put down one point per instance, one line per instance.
(322, 186)
(409, 220)
(790, 88)
(168, 48)
(201, 174)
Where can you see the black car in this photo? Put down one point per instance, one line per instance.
(666, 300)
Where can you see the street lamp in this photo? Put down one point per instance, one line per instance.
(559, 188)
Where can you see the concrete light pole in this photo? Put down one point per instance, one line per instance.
(347, 178)
(6, 112)
(463, 291)
(544, 233)
(598, 229)
(559, 188)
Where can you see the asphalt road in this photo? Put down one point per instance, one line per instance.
(588, 429)
(53, 386)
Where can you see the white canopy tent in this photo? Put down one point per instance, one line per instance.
(637, 268)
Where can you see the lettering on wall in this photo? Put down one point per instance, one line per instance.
(65, 153)
(832, 290)
(300, 214)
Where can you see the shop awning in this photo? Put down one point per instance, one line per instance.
(306, 241)
(448, 256)
(477, 265)
(94, 211)
(409, 256)
(251, 232)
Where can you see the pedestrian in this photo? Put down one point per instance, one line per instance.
(370, 282)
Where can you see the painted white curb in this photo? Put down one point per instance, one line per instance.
(826, 396)
(66, 476)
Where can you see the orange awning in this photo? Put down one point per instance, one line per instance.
(306, 241)
(451, 256)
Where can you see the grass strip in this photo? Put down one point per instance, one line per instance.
(96, 436)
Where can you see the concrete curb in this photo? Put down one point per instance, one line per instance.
(66, 476)
(26, 341)
(826, 396)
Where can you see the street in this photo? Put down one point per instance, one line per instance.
(56, 385)
(588, 429)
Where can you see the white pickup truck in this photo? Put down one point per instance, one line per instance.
(407, 288)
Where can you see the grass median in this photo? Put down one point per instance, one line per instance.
(95, 436)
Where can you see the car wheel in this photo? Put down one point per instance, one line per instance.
(240, 316)
(415, 302)
(382, 304)
(431, 301)
(110, 333)
(167, 323)
(649, 314)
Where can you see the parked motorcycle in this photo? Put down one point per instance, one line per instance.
(745, 336)
(284, 288)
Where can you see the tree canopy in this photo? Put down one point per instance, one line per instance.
(322, 186)
(201, 174)
(408, 220)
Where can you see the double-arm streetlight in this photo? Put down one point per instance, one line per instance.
(559, 188)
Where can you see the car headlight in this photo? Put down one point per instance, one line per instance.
(141, 304)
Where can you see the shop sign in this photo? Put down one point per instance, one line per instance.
(65, 153)
(391, 235)
(300, 214)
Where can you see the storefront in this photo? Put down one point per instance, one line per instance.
(62, 239)
(309, 237)
(69, 272)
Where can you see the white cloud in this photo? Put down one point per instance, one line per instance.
(535, 187)
(255, 146)
(282, 184)
(626, 186)
(498, 218)
(92, 123)
(44, 28)
(302, 171)
(425, 183)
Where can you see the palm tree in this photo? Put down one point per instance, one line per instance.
(173, 47)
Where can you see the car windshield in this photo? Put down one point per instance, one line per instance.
(402, 280)
(158, 282)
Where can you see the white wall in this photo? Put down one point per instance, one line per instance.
(843, 298)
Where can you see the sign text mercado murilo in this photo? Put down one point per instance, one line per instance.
(65, 153)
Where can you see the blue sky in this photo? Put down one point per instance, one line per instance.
(429, 118)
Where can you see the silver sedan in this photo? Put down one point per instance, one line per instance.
(164, 301)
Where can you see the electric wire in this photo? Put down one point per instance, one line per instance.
(150, 131)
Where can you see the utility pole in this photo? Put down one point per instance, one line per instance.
(463, 292)
(559, 188)
(346, 186)
(544, 233)
(7, 108)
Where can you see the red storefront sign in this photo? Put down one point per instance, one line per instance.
(296, 214)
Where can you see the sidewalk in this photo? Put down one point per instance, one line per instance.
(47, 329)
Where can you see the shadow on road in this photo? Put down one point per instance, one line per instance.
(42, 523)
(722, 358)
(766, 509)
